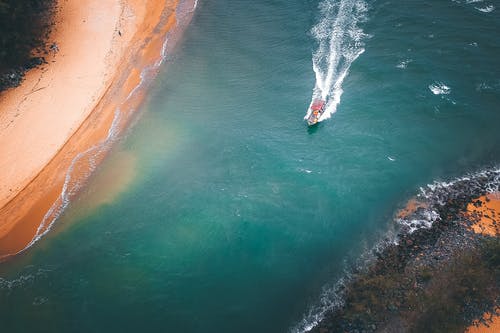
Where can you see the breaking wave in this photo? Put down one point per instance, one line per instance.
(403, 63)
(434, 195)
(474, 184)
(339, 43)
(330, 299)
(429, 198)
(87, 161)
(439, 88)
(487, 9)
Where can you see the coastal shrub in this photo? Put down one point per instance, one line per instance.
(459, 292)
(491, 254)
(422, 298)
(24, 29)
(440, 279)
(425, 274)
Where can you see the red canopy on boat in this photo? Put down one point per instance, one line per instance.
(317, 104)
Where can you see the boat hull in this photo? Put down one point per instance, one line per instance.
(315, 112)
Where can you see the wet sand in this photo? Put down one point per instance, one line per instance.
(411, 207)
(74, 106)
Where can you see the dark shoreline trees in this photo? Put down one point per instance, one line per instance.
(24, 29)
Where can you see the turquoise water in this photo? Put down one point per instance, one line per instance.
(235, 216)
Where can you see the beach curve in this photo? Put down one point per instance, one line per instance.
(58, 125)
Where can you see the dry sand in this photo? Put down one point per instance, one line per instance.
(493, 325)
(487, 214)
(68, 106)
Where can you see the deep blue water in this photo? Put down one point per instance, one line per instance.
(236, 217)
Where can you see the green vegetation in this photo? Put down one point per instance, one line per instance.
(396, 294)
(469, 282)
(24, 28)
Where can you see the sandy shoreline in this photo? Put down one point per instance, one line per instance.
(74, 107)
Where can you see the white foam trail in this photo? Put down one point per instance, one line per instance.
(340, 43)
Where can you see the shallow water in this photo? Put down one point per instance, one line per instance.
(235, 216)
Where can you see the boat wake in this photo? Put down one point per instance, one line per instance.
(339, 43)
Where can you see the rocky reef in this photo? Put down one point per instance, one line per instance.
(438, 276)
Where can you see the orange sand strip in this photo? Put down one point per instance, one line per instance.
(493, 327)
(68, 107)
(487, 215)
(411, 207)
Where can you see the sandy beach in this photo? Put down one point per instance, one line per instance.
(73, 107)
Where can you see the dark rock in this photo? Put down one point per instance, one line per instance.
(402, 276)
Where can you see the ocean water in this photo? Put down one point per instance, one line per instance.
(220, 211)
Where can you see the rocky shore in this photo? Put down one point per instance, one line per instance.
(439, 276)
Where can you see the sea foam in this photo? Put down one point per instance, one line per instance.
(439, 88)
(487, 9)
(403, 63)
